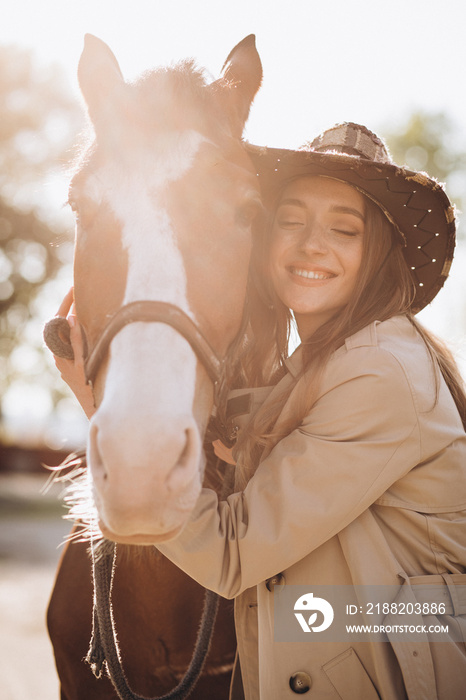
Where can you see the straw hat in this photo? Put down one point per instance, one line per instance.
(414, 203)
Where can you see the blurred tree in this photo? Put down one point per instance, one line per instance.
(38, 124)
(431, 142)
(38, 121)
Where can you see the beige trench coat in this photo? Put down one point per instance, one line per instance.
(371, 489)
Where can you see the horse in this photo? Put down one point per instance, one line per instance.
(157, 610)
(165, 199)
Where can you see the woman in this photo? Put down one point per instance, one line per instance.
(352, 471)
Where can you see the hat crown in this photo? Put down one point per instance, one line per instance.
(353, 140)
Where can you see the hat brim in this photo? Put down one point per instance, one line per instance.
(415, 204)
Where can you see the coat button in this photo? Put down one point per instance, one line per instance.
(300, 682)
(277, 580)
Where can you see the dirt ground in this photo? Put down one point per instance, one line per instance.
(31, 530)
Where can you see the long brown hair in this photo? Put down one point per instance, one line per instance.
(384, 288)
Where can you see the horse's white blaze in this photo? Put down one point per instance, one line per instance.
(151, 377)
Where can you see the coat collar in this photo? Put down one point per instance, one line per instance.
(294, 363)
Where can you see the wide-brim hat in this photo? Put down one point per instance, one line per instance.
(414, 203)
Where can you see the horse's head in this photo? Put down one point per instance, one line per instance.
(164, 200)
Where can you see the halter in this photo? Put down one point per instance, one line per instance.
(155, 312)
(57, 338)
(104, 647)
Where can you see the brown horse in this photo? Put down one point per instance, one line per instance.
(165, 199)
(157, 610)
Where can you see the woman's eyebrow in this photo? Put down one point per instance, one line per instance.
(295, 202)
(336, 208)
(347, 210)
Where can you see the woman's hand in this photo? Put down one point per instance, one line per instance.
(72, 371)
(222, 452)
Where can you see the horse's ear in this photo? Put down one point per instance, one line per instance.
(100, 78)
(240, 80)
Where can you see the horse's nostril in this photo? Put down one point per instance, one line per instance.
(184, 457)
(95, 458)
(187, 461)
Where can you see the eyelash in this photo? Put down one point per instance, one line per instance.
(285, 224)
(346, 233)
(298, 224)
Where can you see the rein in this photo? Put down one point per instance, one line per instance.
(104, 645)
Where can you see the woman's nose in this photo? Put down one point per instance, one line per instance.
(313, 238)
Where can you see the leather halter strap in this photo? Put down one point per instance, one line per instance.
(154, 312)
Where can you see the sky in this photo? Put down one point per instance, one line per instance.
(366, 61)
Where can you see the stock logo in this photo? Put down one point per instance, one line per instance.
(312, 605)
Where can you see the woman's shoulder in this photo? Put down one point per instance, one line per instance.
(396, 337)
(391, 351)
(396, 333)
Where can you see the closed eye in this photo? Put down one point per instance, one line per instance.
(346, 232)
(290, 217)
(290, 224)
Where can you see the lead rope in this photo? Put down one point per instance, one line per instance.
(104, 644)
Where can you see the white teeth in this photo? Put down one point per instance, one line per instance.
(310, 274)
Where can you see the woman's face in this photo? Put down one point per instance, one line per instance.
(316, 250)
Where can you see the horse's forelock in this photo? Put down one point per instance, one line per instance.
(185, 76)
(164, 99)
(178, 97)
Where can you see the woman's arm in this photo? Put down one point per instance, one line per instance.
(360, 437)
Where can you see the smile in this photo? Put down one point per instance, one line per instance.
(311, 274)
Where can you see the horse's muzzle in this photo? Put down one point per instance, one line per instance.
(145, 484)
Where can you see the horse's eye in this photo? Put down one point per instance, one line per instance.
(246, 214)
